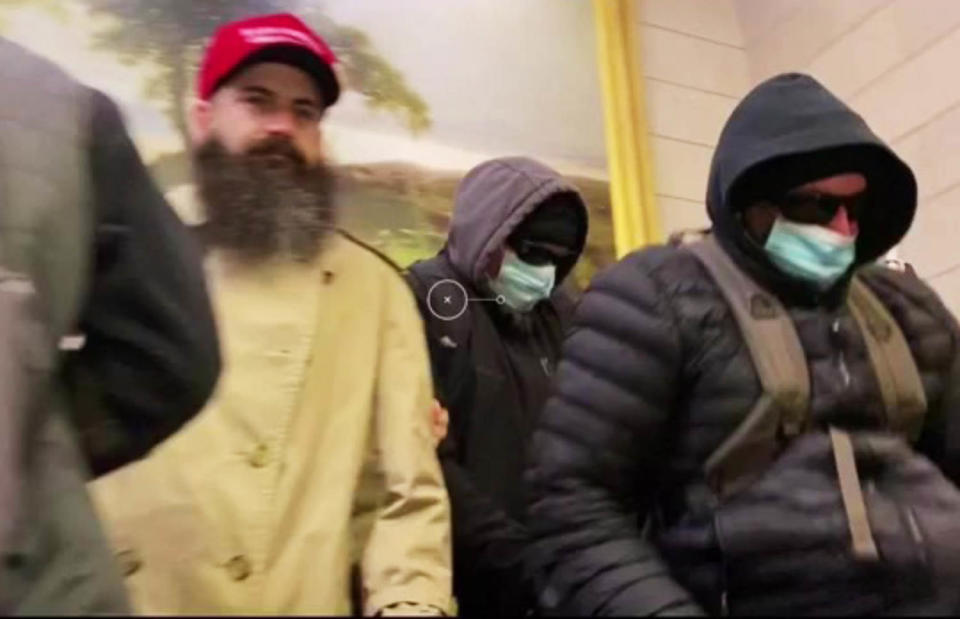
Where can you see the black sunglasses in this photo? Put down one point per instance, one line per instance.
(811, 207)
(540, 253)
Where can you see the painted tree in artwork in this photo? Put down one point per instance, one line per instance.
(54, 8)
(171, 34)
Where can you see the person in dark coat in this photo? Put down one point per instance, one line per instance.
(114, 345)
(656, 375)
(518, 230)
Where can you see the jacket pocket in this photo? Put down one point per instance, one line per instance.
(173, 559)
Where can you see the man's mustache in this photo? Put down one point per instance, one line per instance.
(277, 146)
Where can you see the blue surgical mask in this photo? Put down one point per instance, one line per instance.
(810, 252)
(523, 285)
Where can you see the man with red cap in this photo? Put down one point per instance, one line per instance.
(315, 452)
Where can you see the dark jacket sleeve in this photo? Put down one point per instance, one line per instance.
(489, 545)
(940, 440)
(151, 357)
(939, 346)
(598, 451)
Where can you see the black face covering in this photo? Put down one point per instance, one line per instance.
(266, 202)
(556, 221)
(552, 233)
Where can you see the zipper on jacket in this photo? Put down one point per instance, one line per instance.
(916, 533)
(545, 364)
(914, 527)
(841, 360)
(844, 371)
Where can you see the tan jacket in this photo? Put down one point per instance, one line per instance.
(315, 451)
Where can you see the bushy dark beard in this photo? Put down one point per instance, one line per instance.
(266, 202)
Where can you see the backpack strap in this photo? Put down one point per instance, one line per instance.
(904, 399)
(782, 410)
(851, 493)
(778, 357)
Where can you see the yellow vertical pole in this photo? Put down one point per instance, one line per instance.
(636, 221)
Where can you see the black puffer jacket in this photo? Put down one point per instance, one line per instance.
(656, 375)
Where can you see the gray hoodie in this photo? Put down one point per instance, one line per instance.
(492, 200)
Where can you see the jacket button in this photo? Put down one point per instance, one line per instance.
(129, 561)
(260, 456)
(239, 568)
(15, 561)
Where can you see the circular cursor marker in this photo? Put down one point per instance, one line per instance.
(447, 299)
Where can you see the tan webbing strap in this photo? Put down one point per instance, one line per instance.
(903, 396)
(782, 411)
(780, 363)
(864, 548)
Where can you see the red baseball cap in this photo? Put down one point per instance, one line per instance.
(269, 38)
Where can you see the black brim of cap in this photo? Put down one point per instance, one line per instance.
(298, 57)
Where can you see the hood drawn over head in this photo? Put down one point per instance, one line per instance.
(790, 130)
(492, 200)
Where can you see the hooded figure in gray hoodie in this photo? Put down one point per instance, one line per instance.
(495, 315)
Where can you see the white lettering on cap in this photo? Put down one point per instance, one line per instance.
(266, 35)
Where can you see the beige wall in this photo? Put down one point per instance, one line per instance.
(696, 69)
(897, 62)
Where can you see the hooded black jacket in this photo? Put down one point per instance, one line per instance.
(656, 375)
(494, 383)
